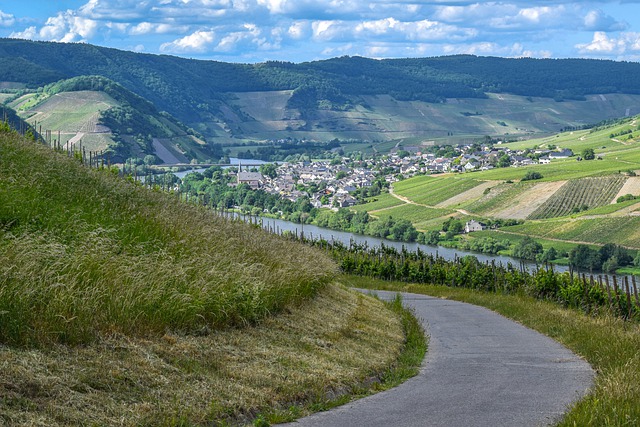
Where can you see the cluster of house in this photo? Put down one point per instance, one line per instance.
(468, 160)
(335, 182)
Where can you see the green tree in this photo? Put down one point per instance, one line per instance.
(527, 248)
(548, 255)
(269, 170)
(588, 154)
(504, 161)
(582, 256)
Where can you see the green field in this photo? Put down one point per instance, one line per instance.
(620, 230)
(433, 190)
(420, 216)
(382, 201)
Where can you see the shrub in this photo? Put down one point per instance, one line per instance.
(532, 175)
(625, 198)
(588, 154)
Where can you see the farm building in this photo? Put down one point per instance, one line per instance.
(473, 225)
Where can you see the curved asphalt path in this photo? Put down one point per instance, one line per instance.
(481, 369)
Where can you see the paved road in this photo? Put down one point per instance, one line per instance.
(481, 370)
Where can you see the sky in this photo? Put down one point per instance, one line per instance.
(252, 31)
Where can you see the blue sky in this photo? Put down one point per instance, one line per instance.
(305, 30)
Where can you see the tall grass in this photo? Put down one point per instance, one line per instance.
(84, 253)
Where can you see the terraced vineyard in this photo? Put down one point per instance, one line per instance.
(624, 231)
(580, 194)
(431, 191)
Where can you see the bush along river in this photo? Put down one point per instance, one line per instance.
(418, 263)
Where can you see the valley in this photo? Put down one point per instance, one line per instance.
(128, 296)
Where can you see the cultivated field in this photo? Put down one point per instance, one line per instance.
(620, 230)
(377, 203)
(420, 216)
(71, 111)
(580, 194)
(431, 191)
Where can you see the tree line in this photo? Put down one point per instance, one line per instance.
(590, 294)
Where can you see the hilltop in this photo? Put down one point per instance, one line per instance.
(123, 304)
(353, 99)
(101, 115)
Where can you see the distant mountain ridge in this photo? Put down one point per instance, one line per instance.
(178, 85)
(203, 94)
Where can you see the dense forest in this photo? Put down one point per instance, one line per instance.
(189, 88)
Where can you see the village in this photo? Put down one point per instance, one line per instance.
(333, 183)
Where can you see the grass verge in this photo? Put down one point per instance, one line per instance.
(311, 357)
(405, 366)
(610, 345)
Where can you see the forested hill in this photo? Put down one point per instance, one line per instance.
(185, 87)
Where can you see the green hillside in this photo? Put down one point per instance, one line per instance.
(573, 202)
(122, 305)
(351, 98)
(104, 116)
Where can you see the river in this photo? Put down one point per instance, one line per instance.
(315, 232)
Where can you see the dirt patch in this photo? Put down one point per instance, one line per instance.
(469, 195)
(528, 201)
(631, 186)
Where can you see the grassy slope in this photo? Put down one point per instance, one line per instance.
(116, 302)
(601, 223)
(60, 219)
(610, 345)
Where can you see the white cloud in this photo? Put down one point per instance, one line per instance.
(152, 28)
(64, 27)
(6, 19)
(29, 33)
(298, 30)
(514, 50)
(331, 30)
(200, 41)
(597, 20)
(603, 44)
